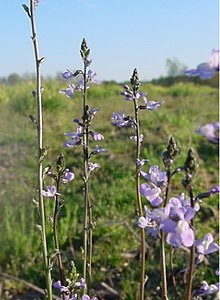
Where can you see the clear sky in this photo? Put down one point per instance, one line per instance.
(122, 35)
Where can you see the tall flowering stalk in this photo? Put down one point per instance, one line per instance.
(41, 150)
(120, 120)
(190, 168)
(168, 158)
(82, 137)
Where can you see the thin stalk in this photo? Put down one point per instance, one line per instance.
(55, 236)
(162, 245)
(192, 257)
(163, 266)
(40, 149)
(172, 274)
(140, 209)
(86, 267)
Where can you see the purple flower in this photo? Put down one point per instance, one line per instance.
(150, 105)
(151, 194)
(76, 138)
(206, 289)
(155, 175)
(180, 234)
(80, 284)
(51, 191)
(141, 162)
(92, 166)
(98, 150)
(69, 92)
(92, 112)
(91, 77)
(36, 2)
(68, 74)
(209, 131)
(59, 286)
(206, 70)
(96, 136)
(186, 202)
(174, 219)
(147, 222)
(68, 176)
(206, 245)
(120, 120)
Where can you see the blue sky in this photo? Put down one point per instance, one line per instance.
(122, 35)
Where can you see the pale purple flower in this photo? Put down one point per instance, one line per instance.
(141, 162)
(120, 120)
(206, 70)
(50, 191)
(59, 286)
(98, 150)
(148, 223)
(36, 2)
(76, 138)
(67, 74)
(150, 105)
(68, 176)
(127, 93)
(186, 202)
(174, 219)
(92, 166)
(80, 284)
(207, 289)
(206, 245)
(88, 62)
(180, 234)
(180, 210)
(96, 136)
(155, 175)
(69, 92)
(92, 112)
(209, 131)
(134, 138)
(91, 77)
(151, 194)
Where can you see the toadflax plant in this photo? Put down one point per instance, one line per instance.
(82, 137)
(173, 218)
(140, 102)
(38, 121)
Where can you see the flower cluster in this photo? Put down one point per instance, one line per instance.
(174, 217)
(132, 94)
(206, 70)
(83, 131)
(51, 190)
(69, 292)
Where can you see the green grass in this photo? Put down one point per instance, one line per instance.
(186, 107)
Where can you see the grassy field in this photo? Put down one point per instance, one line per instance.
(116, 255)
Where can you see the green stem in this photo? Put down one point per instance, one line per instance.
(55, 236)
(86, 266)
(139, 203)
(192, 256)
(40, 148)
(172, 273)
(162, 244)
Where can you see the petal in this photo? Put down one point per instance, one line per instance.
(188, 237)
